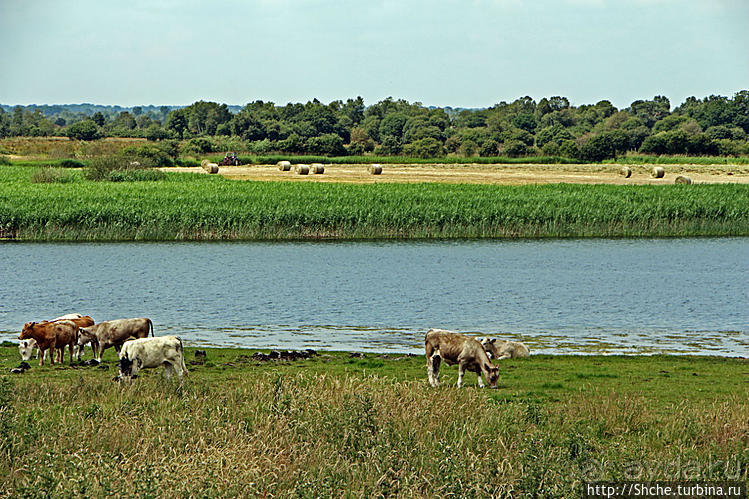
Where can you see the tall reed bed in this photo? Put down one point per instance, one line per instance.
(194, 207)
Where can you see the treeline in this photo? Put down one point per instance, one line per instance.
(714, 125)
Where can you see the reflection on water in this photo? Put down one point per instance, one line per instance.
(558, 296)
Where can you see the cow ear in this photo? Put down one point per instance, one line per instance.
(492, 340)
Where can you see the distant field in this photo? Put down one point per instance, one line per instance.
(369, 427)
(201, 207)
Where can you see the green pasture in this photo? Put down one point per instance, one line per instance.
(336, 425)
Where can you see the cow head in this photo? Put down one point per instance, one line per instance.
(492, 375)
(85, 336)
(26, 331)
(26, 349)
(490, 347)
(125, 366)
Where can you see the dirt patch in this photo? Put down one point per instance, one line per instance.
(519, 174)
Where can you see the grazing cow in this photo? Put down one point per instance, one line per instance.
(113, 334)
(26, 349)
(458, 349)
(51, 335)
(152, 352)
(503, 349)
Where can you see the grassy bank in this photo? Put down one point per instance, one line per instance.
(335, 425)
(194, 207)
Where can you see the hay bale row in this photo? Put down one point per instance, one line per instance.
(317, 168)
(625, 172)
(301, 169)
(284, 166)
(375, 169)
(683, 179)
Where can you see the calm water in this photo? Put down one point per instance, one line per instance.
(559, 296)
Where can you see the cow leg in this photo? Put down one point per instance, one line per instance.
(433, 369)
(70, 348)
(481, 381)
(461, 372)
(168, 369)
(41, 357)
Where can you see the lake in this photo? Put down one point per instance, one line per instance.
(559, 296)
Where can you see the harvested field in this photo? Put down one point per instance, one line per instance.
(495, 174)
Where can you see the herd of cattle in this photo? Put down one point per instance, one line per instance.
(129, 337)
(137, 351)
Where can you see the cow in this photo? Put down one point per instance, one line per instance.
(26, 347)
(455, 348)
(80, 321)
(113, 334)
(51, 335)
(503, 349)
(147, 353)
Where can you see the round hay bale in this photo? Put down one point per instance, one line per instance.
(375, 169)
(302, 169)
(284, 166)
(204, 162)
(657, 172)
(683, 179)
(625, 172)
(317, 168)
(211, 168)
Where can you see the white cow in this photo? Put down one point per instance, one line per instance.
(26, 349)
(503, 349)
(145, 353)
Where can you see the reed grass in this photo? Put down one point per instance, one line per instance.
(187, 206)
(334, 426)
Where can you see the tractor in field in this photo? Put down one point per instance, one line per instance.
(230, 159)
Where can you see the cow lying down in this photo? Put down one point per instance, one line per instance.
(503, 349)
(145, 353)
(455, 348)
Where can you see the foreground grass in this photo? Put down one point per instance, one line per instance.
(335, 425)
(194, 207)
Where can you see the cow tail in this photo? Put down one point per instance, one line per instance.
(150, 327)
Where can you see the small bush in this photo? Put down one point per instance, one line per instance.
(148, 156)
(199, 145)
(51, 175)
(4, 160)
(136, 175)
(71, 163)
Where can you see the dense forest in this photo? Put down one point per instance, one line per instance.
(714, 125)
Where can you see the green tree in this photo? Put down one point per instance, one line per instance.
(84, 130)
(176, 121)
(330, 144)
(424, 148)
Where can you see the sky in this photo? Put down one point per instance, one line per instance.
(459, 53)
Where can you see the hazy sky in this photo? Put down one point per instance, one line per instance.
(469, 53)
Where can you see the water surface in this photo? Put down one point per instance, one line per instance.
(558, 296)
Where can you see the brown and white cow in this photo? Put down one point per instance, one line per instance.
(26, 347)
(114, 333)
(504, 349)
(152, 352)
(455, 348)
(51, 335)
